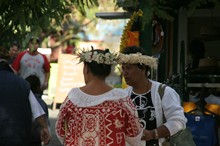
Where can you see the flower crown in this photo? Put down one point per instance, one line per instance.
(100, 58)
(138, 58)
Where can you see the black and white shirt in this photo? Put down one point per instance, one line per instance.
(146, 112)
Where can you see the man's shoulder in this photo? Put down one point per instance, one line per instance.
(17, 80)
(155, 82)
(21, 54)
(41, 54)
(44, 56)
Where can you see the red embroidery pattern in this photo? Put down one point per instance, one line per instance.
(105, 124)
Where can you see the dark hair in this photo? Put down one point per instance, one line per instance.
(133, 50)
(34, 83)
(16, 43)
(32, 39)
(4, 54)
(99, 69)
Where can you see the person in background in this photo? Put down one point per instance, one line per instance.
(31, 62)
(145, 96)
(196, 51)
(14, 51)
(18, 107)
(70, 49)
(97, 114)
(35, 88)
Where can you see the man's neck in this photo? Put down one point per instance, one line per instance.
(34, 52)
(142, 87)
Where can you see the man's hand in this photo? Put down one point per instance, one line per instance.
(45, 136)
(44, 133)
(147, 135)
(45, 86)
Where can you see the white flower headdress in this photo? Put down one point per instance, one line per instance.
(100, 58)
(138, 58)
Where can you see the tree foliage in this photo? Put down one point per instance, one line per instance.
(167, 9)
(20, 17)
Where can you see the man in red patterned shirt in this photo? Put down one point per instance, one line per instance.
(32, 62)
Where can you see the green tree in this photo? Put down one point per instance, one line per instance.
(165, 9)
(21, 17)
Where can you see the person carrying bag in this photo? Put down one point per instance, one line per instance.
(181, 138)
(143, 91)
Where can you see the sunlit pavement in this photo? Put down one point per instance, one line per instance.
(52, 117)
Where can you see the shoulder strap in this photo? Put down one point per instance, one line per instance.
(161, 90)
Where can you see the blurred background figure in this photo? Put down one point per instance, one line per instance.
(32, 62)
(18, 107)
(197, 51)
(14, 50)
(35, 88)
(70, 48)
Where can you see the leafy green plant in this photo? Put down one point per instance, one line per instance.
(21, 17)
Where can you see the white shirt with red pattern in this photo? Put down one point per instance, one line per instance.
(109, 119)
(28, 64)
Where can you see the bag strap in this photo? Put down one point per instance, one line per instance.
(161, 90)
